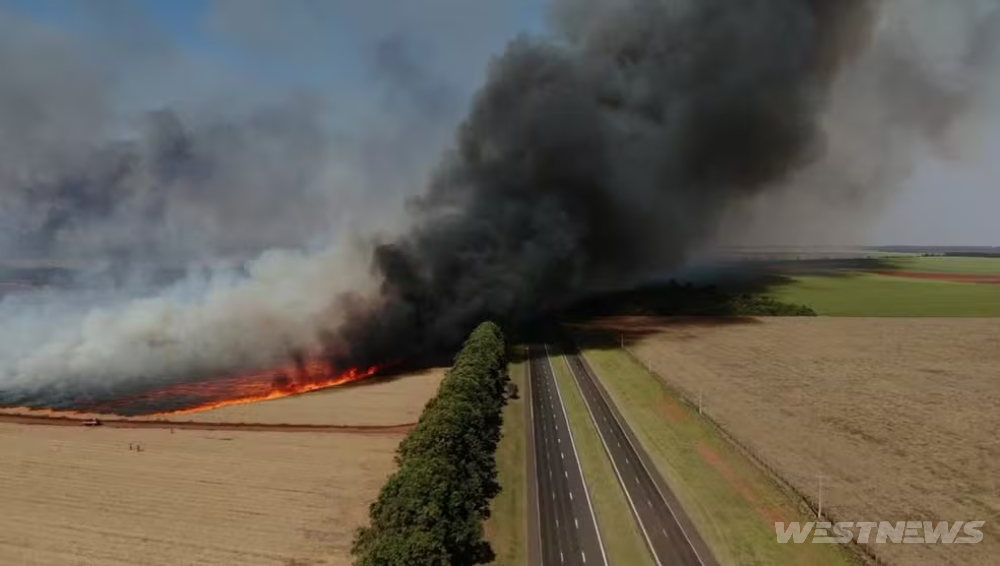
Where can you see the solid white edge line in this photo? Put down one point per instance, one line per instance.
(621, 481)
(583, 480)
(652, 478)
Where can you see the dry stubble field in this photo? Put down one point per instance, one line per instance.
(72, 496)
(901, 416)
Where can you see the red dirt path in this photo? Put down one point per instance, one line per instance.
(952, 277)
(712, 458)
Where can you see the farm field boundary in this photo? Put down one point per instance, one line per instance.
(693, 401)
(40, 420)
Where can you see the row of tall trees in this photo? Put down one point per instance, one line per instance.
(431, 511)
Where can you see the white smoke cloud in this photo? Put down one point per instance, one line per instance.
(223, 319)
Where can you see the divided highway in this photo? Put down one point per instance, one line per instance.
(659, 516)
(566, 526)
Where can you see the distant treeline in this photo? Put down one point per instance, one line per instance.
(970, 254)
(951, 251)
(686, 299)
(431, 511)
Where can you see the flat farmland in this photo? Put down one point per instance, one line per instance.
(893, 287)
(75, 496)
(870, 294)
(898, 416)
(80, 497)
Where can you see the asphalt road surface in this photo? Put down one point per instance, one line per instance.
(668, 533)
(567, 528)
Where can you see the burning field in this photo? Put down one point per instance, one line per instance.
(258, 491)
(239, 390)
(209, 394)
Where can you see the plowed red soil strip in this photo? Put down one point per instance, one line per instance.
(712, 459)
(952, 277)
(190, 425)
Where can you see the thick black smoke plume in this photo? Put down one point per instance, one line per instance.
(598, 155)
(602, 156)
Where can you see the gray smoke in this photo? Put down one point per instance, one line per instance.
(78, 179)
(94, 166)
(592, 158)
(178, 192)
(925, 86)
(208, 220)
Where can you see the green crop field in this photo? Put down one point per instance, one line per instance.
(861, 294)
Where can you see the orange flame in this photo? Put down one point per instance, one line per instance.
(261, 386)
(224, 391)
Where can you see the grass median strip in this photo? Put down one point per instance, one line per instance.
(733, 504)
(507, 527)
(622, 540)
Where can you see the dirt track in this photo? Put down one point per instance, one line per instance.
(191, 425)
(951, 277)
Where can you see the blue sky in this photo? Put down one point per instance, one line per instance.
(336, 41)
(178, 18)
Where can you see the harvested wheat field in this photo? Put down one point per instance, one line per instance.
(76, 496)
(81, 497)
(900, 416)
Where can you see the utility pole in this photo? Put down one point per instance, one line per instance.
(820, 511)
(699, 399)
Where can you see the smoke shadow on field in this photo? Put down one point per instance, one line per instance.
(725, 294)
(767, 276)
(616, 332)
